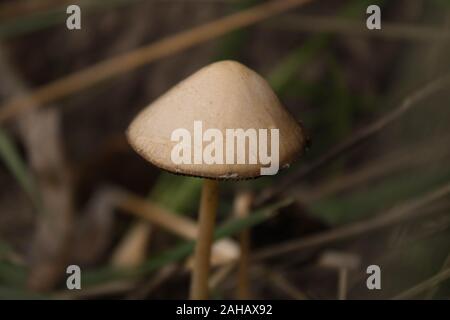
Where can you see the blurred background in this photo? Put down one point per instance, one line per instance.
(373, 188)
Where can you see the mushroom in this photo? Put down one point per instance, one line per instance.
(343, 262)
(193, 128)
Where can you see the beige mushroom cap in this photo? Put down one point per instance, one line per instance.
(223, 95)
(335, 259)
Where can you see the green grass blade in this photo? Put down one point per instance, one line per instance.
(15, 164)
(178, 194)
(52, 17)
(181, 251)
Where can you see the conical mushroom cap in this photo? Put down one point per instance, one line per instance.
(223, 95)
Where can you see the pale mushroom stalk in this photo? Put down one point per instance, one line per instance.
(343, 263)
(207, 217)
(342, 283)
(242, 206)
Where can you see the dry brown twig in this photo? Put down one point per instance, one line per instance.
(41, 133)
(277, 279)
(16, 9)
(399, 159)
(389, 257)
(348, 27)
(433, 289)
(94, 228)
(220, 275)
(356, 138)
(101, 71)
(20, 8)
(132, 249)
(421, 287)
(224, 250)
(391, 217)
(155, 282)
(111, 288)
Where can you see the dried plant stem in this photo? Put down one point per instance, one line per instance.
(432, 291)
(342, 285)
(155, 282)
(223, 250)
(310, 23)
(207, 216)
(377, 168)
(41, 134)
(243, 286)
(242, 207)
(355, 139)
(391, 217)
(159, 216)
(421, 287)
(101, 71)
(278, 279)
(16, 9)
(132, 250)
(110, 288)
(220, 275)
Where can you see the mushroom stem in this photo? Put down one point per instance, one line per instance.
(342, 286)
(242, 206)
(243, 286)
(207, 216)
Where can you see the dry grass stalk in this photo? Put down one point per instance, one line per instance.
(132, 250)
(356, 138)
(346, 27)
(219, 276)
(163, 275)
(16, 9)
(390, 217)
(224, 250)
(428, 153)
(423, 286)
(115, 66)
(41, 134)
(116, 287)
(280, 282)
